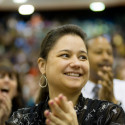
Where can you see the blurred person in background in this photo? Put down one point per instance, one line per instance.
(101, 84)
(10, 90)
(30, 88)
(64, 67)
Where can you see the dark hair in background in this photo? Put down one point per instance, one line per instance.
(18, 101)
(50, 40)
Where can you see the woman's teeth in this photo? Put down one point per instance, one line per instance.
(73, 74)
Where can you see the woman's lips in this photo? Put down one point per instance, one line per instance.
(4, 90)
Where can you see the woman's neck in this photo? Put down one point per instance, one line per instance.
(70, 96)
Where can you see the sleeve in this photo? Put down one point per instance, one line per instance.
(15, 119)
(19, 117)
(115, 115)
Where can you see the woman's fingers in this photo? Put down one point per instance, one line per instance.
(6, 104)
(51, 119)
(5, 107)
(56, 110)
(62, 112)
(62, 101)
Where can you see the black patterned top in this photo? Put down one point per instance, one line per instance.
(89, 112)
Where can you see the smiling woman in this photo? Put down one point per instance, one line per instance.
(10, 90)
(64, 64)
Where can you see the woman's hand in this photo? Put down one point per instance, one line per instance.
(106, 92)
(5, 107)
(62, 112)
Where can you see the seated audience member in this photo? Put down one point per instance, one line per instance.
(10, 91)
(101, 84)
(64, 68)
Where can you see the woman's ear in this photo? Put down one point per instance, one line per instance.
(42, 65)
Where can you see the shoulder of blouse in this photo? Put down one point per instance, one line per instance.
(111, 113)
(21, 114)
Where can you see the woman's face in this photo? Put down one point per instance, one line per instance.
(8, 84)
(67, 66)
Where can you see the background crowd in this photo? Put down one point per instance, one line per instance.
(21, 36)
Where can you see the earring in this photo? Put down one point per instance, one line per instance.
(43, 86)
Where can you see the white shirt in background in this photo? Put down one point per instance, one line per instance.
(119, 90)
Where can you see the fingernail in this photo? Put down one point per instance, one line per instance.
(61, 97)
(51, 103)
(47, 113)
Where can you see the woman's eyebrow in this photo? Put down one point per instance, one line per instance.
(81, 51)
(66, 50)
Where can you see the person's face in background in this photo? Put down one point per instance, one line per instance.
(67, 66)
(100, 55)
(8, 83)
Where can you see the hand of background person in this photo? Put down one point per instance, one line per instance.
(5, 107)
(106, 80)
(62, 112)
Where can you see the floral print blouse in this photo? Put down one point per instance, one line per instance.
(89, 112)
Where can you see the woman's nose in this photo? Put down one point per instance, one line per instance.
(6, 78)
(75, 62)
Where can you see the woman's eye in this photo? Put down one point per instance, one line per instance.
(12, 76)
(65, 55)
(83, 57)
(1, 75)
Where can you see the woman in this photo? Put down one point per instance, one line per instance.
(64, 66)
(10, 91)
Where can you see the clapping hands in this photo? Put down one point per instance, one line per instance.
(5, 107)
(106, 80)
(62, 112)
